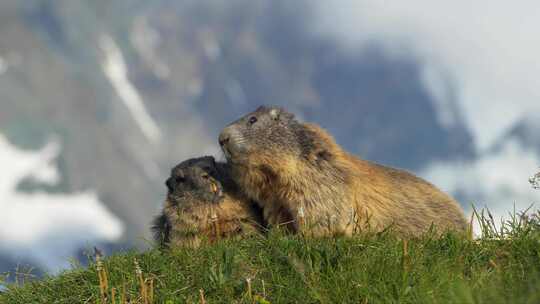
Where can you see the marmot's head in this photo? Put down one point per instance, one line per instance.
(268, 132)
(195, 180)
(192, 187)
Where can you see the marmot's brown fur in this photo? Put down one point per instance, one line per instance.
(300, 176)
(203, 203)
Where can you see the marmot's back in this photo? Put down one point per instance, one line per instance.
(412, 204)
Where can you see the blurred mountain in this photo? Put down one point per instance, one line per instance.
(132, 87)
(525, 133)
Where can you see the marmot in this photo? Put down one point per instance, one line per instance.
(203, 202)
(301, 177)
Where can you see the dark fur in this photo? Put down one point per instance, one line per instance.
(161, 229)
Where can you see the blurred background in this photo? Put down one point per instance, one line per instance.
(99, 99)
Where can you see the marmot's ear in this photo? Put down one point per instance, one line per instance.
(274, 113)
(280, 113)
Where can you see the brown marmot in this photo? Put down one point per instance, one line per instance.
(203, 202)
(303, 179)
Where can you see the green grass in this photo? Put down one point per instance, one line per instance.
(501, 267)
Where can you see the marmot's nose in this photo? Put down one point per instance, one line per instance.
(223, 138)
(170, 184)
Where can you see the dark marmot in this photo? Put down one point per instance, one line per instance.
(303, 179)
(203, 202)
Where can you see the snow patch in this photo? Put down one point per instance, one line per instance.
(43, 227)
(146, 40)
(115, 69)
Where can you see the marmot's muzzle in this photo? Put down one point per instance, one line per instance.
(232, 141)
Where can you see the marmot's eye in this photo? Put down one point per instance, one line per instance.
(205, 176)
(252, 120)
(179, 179)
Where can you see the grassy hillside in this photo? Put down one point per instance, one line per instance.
(501, 267)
